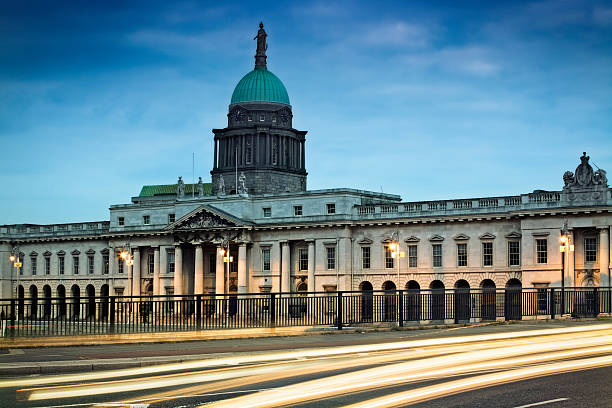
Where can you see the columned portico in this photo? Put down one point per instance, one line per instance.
(178, 270)
(285, 267)
(242, 268)
(311, 267)
(198, 286)
(604, 256)
(136, 273)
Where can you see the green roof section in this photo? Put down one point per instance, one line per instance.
(170, 189)
(260, 85)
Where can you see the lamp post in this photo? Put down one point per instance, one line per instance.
(565, 247)
(126, 255)
(396, 253)
(17, 264)
(227, 259)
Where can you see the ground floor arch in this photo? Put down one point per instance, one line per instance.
(513, 309)
(436, 300)
(366, 301)
(462, 301)
(487, 300)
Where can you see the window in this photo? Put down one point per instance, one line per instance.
(542, 251)
(47, 265)
(303, 259)
(265, 259)
(487, 254)
(388, 258)
(331, 257)
(90, 264)
(365, 257)
(75, 265)
(331, 208)
(151, 263)
(61, 263)
(462, 254)
(297, 210)
(267, 212)
(514, 253)
(262, 117)
(412, 256)
(171, 218)
(105, 264)
(120, 266)
(33, 265)
(437, 255)
(170, 265)
(121, 221)
(146, 219)
(590, 249)
(212, 263)
(233, 266)
(250, 117)
(249, 152)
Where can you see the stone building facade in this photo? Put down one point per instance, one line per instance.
(283, 237)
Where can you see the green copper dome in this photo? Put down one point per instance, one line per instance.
(260, 85)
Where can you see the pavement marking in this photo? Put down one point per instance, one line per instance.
(14, 352)
(535, 404)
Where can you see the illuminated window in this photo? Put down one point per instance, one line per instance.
(389, 264)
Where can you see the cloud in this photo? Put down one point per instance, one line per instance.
(474, 60)
(398, 33)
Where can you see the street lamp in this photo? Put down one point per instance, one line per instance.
(126, 255)
(396, 253)
(17, 264)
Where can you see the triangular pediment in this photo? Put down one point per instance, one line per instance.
(33, 253)
(514, 234)
(47, 253)
(61, 252)
(204, 218)
(461, 237)
(365, 241)
(487, 235)
(412, 238)
(436, 238)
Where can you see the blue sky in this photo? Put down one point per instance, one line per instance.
(429, 100)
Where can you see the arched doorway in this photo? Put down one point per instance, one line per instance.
(367, 301)
(33, 302)
(513, 309)
(487, 304)
(437, 300)
(297, 304)
(91, 302)
(413, 301)
(61, 301)
(104, 302)
(20, 301)
(47, 301)
(462, 301)
(75, 293)
(390, 303)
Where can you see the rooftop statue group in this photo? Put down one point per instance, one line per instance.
(180, 187)
(584, 176)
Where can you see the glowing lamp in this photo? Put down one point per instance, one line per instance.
(12, 258)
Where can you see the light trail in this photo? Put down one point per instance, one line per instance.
(299, 354)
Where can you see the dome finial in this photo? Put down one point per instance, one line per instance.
(260, 54)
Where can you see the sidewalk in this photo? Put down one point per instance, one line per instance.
(30, 356)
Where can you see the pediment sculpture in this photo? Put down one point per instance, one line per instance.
(585, 184)
(204, 220)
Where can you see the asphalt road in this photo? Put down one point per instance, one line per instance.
(560, 365)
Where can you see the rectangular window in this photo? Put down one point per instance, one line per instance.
(233, 266)
(412, 256)
(75, 265)
(90, 264)
(170, 265)
(61, 263)
(151, 263)
(171, 218)
(146, 219)
(542, 251)
(331, 208)
(267, 212)
(47, 265)
(120, 265)
(462, 254)
(262, 117)
(297, 210)
(33, 265)
(303, 259)
(514, 253)
(105, 264)
(249, 151)
(590, 249)
(487, 254)
(121, 221)
(388, 258)
(265, 259)
(365, 257)
(331, 257)
(437, 255)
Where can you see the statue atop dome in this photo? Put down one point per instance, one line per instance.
(260, 54)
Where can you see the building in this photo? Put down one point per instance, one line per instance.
(283, 237)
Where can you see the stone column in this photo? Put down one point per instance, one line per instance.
(242, 268)
(285, 267)
(311, 267)
(136, 273)
(156, 290)
(178, 270)
(604, 257)
(198, 285)
(219, 273)
(163, 265)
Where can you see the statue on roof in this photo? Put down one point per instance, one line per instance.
(221, 190)
(260, 54)
(180, 188)
(200, 187)
(242, 184)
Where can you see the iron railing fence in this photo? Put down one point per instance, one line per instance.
(61, 316)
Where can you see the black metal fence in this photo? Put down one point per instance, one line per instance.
(140, 314)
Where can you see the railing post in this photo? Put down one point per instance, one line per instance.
(400, 308)
(198, 311)
(596, 302)
(553, 305)
(13, 311)
(562, 301)
(339, 311)
(112, 315)
(272, 310)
